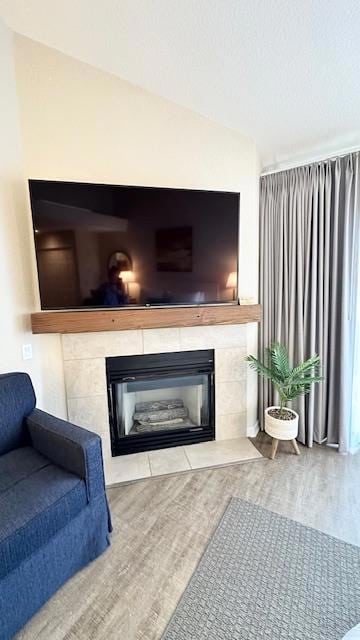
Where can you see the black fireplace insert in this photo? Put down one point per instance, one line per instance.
(160, 400)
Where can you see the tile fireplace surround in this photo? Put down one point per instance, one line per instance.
(85, 380)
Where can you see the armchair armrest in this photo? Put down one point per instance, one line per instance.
(70, 447)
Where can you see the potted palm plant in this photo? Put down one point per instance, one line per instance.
(282, 423)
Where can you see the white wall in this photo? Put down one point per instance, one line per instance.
(79, 123)
(17, 290)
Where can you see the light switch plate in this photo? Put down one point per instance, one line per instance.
(27, 351)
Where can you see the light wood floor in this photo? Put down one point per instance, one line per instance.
(162, 525)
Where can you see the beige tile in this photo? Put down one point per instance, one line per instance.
(161, 340)
(84, 378)
(91, 413)
(102, 344)
(106, 452)
(106, 446)
(165, 461)
(230, 364)
(127, 468)
(209, 454)
(230, 426)
(213, 337)
(230, 397)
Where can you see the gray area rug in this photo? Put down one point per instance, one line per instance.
(265, 576)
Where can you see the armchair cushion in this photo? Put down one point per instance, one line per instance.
(35, 507)
(17, 400)
(71, 447)
(18, 465)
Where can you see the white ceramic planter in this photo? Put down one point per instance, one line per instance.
(281, 429)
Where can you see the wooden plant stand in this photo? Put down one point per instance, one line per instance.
(274, 446)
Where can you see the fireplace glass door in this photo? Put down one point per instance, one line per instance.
(163, 404)
(167, 406)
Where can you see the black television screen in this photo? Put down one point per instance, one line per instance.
(111, 246)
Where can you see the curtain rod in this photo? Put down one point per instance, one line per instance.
(315, 160)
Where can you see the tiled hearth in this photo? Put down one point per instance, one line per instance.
(179, 459)
(85, 378)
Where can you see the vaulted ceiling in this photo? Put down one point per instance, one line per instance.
(284, 72)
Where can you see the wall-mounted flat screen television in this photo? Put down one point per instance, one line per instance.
(101, 245)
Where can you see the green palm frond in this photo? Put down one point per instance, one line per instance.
(294, 382)
(309, 365)
(296, 392)
(259, 367)
(280, 360)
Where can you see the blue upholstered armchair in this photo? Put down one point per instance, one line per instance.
(54, 516)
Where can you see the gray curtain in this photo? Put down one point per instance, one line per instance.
(309, 245)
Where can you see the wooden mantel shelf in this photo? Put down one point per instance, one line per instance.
(122, 319)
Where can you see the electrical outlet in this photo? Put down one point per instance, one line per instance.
(27, 351)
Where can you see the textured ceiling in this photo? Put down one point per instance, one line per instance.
(284, 72)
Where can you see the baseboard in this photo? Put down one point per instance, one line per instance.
(253, 431)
